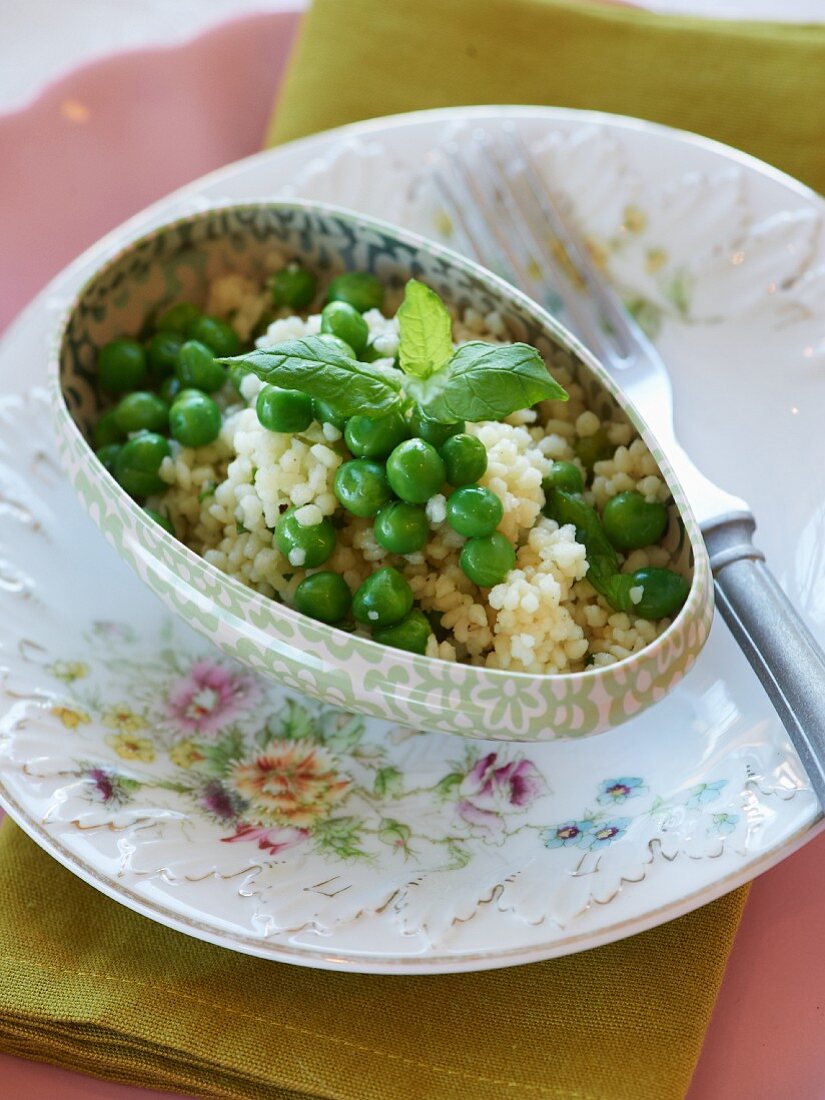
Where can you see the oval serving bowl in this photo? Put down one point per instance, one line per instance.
(177, 261)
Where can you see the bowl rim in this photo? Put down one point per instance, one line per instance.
(700, 595)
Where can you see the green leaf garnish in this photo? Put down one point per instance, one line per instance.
(572, 508)
(486, 382)
(476, 382)
(425, 329)
(662, 591)
(314, 366)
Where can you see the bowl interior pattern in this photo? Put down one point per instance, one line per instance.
(177, 262)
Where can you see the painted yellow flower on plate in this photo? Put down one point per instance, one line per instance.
(68, 671)
(634, 220)
(70, 717)
(290, 783)
(186, 753)
(129, 747)
(123, 718)
(597, 251)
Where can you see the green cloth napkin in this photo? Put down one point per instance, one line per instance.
(89, 985)
(757, 86)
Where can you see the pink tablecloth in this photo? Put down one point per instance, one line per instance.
(202, 106)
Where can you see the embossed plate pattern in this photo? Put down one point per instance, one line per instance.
(142, 759)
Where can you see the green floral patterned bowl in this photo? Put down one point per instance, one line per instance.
(178, 260)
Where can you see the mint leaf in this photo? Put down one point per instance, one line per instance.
(425, 329)
(486, 382)
(315, 367)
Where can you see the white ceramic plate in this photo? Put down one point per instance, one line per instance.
(129, 750)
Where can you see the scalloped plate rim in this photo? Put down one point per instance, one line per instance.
(462, 962)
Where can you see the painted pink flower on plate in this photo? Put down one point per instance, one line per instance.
(272, 839)
(209, 697)
(491, 789)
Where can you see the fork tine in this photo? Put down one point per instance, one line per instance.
(622, 326)
(504, 219)
(491, 225)
(538, 252)
(456, 191)
(480, 210)
(486, 185)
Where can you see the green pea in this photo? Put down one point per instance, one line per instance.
(375, 437)
(591, 449)
(170, 388)
(411, 633)
(178, 318)
(465, 459)
(384, 598)
(632, 522)
(217, 335)
(107, 429)
(662, 592)
(108, 455)
(325, 414)
(357, 288)
(341, 346)
(194, 419)
(415, 471)
(304, 546)
(563, 475)
(185, 394)
(121, 365)
(197, 368)
(401, 528)
(162, 353)
(324, 596)
(474, 511)
(283, 410)
(487, 561)
(141, 410)
(293, 286)
(361, 486)
(344, 321)
(433, 431)
(136, 467)
(160, 520)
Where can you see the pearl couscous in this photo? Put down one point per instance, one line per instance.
(530, 541)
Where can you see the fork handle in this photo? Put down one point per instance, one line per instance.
(781, 649)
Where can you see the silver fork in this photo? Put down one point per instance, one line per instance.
(503, 218)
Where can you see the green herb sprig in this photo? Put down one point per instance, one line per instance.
(659, 592)
(477, 381)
